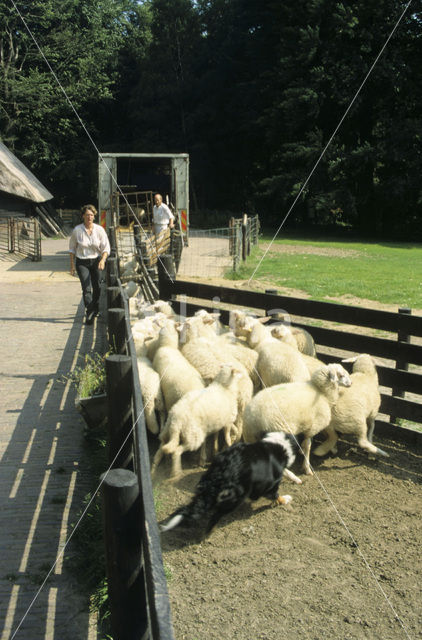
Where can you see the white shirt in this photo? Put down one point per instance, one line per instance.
(161, 217)
(86, 246)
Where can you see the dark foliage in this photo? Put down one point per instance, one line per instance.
(252, 91)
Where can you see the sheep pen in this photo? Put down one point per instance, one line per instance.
(341, 561)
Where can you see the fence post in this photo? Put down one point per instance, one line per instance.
(119, 398)
(111, 274)
(113, 241)
(123, 549)
(166, 275)
(231, 236)
(249, 235)
(237, 245)
(37, 240)
(244, 237)
(117, 329)
(137, 235)
(401, 364)
(11, 235)
(114, 298)
(256, 230)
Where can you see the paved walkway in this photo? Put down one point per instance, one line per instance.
(43, 469)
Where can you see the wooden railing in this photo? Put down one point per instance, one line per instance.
(401, 347)
(137, 588)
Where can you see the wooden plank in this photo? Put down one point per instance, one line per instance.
(401, 408)
(407, 380)
(395, 432)
(358, 343)
(345, 314)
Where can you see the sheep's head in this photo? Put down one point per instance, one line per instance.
(328, 379)
(207, 317)
(284, 334)
(161, 306)
(339, 375)
(191, 329)
(168, 336)
(227, 374)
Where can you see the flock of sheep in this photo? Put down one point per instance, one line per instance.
(200, 378)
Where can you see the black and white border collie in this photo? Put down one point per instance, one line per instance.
(242, 471)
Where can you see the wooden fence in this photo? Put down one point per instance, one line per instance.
(137, 587)
(21, 235)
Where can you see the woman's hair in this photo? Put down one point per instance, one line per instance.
(88, 207)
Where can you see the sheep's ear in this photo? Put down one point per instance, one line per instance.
(264, 320)
(178, 326)
(352, 359)
(211, 318)
(332, 374)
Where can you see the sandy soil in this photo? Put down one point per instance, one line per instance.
(342, 561)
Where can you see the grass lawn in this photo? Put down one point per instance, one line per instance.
(389, 273)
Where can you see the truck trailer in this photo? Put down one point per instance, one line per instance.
(127, 183)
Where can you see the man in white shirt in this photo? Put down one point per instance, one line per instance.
(162, 216)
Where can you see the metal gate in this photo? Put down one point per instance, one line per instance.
(22, 236)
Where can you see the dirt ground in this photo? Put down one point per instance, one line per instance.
(341, 561)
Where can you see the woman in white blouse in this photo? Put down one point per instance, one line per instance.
(89, 248)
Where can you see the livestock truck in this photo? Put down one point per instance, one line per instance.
(127, 183)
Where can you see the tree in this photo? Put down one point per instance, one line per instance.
(78, 40)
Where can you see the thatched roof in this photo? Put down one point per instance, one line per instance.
(17, 180)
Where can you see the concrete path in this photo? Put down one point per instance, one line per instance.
(44, 471)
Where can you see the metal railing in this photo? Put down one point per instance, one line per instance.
(22, 236)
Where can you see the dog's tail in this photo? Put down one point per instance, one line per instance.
(174, 521)
(203, 507)
(190, 514)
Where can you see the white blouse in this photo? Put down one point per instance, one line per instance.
(86, 246)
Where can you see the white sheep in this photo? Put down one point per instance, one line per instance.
(211, 320)
(129, 265)
(197, 348)
(146, 331)
(207, 354)
(177, 375)
(296, 407)
(198, 414)
(237, 348)
(158, 306)
(131, 289)
(356, 408)
(134, 305)
(284, 333)
(152, 396)
(277, 361)
(241, 321)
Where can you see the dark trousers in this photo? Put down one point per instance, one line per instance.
(91, 278)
